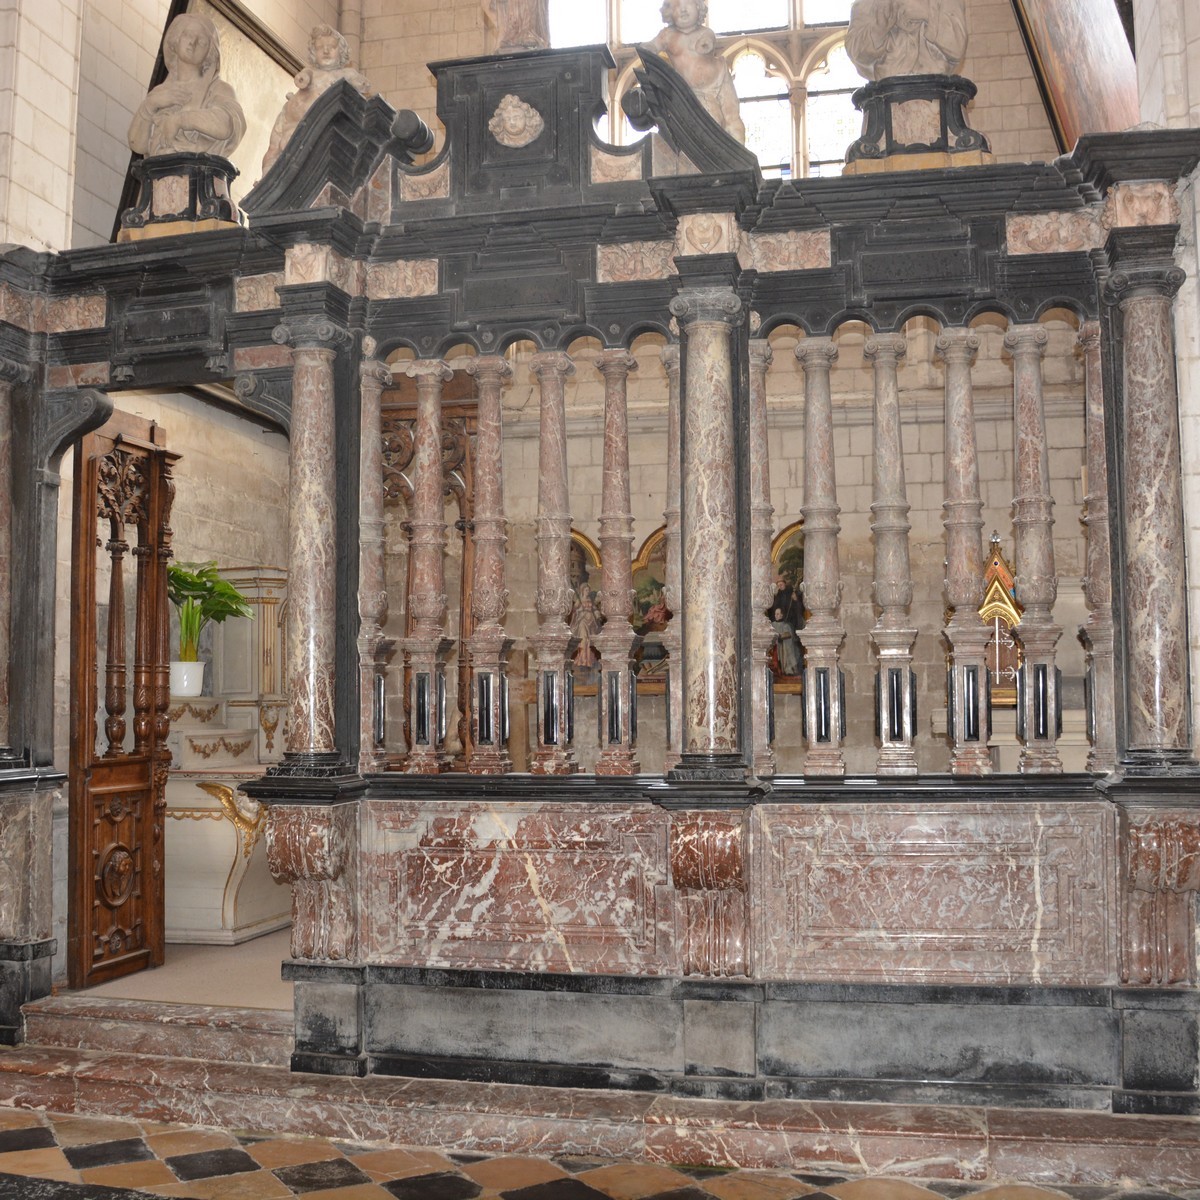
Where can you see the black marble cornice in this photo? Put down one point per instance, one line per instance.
(727, 191)
(331, 225)
(561, 789)
(937, 789)
(1105, 159)
(340, 141)
(325, 301)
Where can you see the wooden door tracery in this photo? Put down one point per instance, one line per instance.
(118, 773)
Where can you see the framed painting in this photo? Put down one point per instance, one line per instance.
(1084, 66)
(585, 617)
(786, 612)
(650, 612)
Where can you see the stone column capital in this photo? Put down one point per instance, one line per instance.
(427, 370)
(761, 354)
(1089, 335)
(886, 347)
(707, 304)
(489, 368)
(548, 363)
(617, 363)
(1153, 279)
(670, 359)
(958, 344)
(1029, 340)
(816, 353)
(371, 370)
(310, 333)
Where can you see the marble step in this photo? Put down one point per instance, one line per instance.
(917, 1142)
(187, 1031)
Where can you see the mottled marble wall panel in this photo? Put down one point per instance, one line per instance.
(527, 887)
(964, 894)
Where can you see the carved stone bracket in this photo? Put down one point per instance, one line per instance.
(314, 848)
(708, 869)
(1160, 876)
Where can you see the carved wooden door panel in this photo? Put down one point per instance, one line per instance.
(118, 774)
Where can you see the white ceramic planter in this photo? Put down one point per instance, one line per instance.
(187, 678)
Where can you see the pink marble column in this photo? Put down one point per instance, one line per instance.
(616, 640)
(427, 646)
(488, 644)
(672, 636)
(1096, 632)
(312, 585)
(1155, 594)
(6, 491)
(967, 635)
(762, 583)
(823, 631)
(552, 641)
(1038, 711)
(373, 647)
(712, 740)
(894, 633)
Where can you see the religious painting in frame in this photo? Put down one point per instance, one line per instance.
(1083, 64)
(786, 612)
(650, 612)
(585, 618)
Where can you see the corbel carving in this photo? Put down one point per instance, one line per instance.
(708, 870)
(1160, 876)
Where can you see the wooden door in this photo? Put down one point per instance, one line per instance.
(119, 758)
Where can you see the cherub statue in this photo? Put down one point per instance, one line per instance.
(907, 37)
(516, 123)
(519, 24)
(193, 109)
(691, 48)
(329, 54)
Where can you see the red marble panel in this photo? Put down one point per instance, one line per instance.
(973, 893)
(526, 887)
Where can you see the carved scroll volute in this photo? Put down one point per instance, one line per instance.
(708, 869)
(314, 849)
(1160, 861)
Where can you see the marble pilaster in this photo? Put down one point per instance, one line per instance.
(488, 645)
(894, 633)
(712, 735)
(672, 636)
(823, 631)
(1038, 705)
(616, 640)
(9, 372)
(1096, 632)
(373, 647)
(312, 584)
(551, 643)
(1154, 600)
(426, 645)
(762, 635)
(966, 634)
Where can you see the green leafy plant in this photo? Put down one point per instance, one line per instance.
(201, 595)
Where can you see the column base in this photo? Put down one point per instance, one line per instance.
(25, 972)
(306, 779)
(553, 762)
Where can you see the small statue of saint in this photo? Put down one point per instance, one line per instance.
(329, 54)
(519, 24)
(193, 109)
(907, 37)
(691, 48)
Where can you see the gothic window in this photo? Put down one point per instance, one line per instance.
(766, 109)
(831, 121)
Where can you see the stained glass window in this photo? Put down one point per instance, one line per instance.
(766, 111)
(831, 120)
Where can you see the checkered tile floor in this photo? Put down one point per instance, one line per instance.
(44, 1156)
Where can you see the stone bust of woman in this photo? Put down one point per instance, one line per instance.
(193, 109)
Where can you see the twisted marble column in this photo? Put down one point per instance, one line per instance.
(1155, 595)
(894, 633)
(1096, 632)
(373, 647)
(967, 635)
(762, 584)
(312, 537)
(712, 738)
(427, 646)
(551, 643)
(672, 636)
(616, 640)
(823, 631)
(1038, 711)
(489, 597)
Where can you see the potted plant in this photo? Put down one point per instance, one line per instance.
(200, 595)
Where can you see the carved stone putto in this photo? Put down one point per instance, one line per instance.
(1053, 232)
(516, 123)
(914, 37)
(1151, 202)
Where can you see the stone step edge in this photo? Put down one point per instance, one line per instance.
(860, 1139)
(93, 1008)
